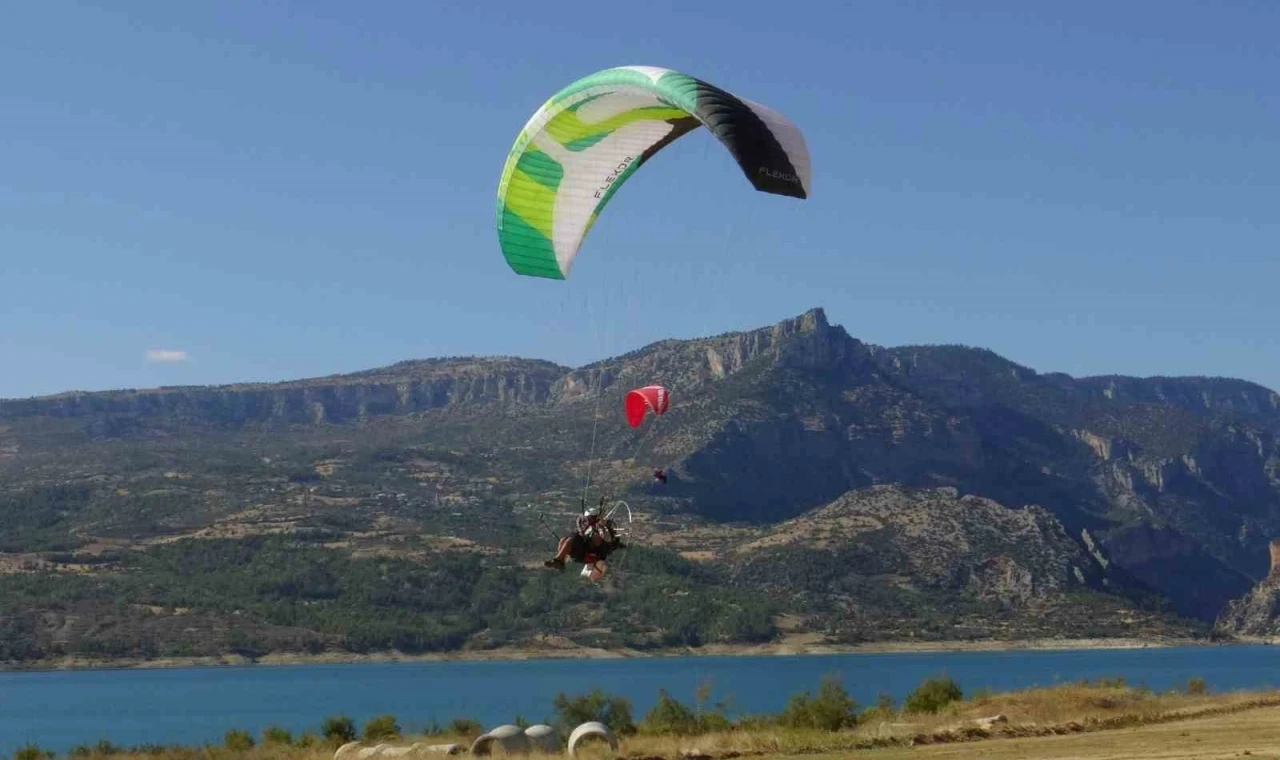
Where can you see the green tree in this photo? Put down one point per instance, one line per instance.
(381, 728)
(668, 717)
(31, 752)
(884, 709)
(614, 712)
(338, 729)
(932, 695)
(237, 740)
(831, 710)
(277, 735)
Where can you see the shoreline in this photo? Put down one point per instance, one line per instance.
(556, 648)
(1017, 717)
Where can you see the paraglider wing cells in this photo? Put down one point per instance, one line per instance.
(583, 144)
(651, 398)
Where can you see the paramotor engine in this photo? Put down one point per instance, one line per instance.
(619, 521)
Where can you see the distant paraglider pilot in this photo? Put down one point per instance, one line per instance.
(591, 542)
(595, 538)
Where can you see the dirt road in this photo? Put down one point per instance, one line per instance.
(1254, 734)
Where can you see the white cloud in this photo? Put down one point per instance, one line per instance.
(166, 355)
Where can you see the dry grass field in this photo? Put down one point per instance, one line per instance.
(1081, 722)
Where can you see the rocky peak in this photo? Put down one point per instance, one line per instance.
(810, 341)
(813, 320)
(806, 340)
(1257, 614)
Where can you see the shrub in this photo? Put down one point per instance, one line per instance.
(277, 735)
(614, 712)
(381, 728)
(338, 729)
(714, 719)
(932, 695)
(468, 727)
(103, 747)
(1196, 686)
(710, 722)
(755, 722)
(668, 717)
(885, 709)
(31, 752)
(832, 710)
(237, 740)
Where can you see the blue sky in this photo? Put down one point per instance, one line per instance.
(291, 189)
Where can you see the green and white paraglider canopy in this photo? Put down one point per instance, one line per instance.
(583, 144)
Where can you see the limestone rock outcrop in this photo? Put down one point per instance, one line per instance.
(1257, 614)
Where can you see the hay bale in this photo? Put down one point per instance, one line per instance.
(509, 737)
(591, 729)
(543, 738)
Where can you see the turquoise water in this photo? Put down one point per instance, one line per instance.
(62, 709)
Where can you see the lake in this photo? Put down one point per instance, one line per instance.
(60, 710)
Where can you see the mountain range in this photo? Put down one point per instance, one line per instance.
(816, 486)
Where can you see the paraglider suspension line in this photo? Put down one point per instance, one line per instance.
(542, 520)
(594, 424)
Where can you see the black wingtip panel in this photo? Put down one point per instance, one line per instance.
(751, 142)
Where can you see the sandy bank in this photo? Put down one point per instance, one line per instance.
(552, 648)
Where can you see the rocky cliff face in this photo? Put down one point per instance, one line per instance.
(1176, 477)
(690, 365)
(401, 389)
(1174, 481)
(772, 422)
(948, 540)
(1257, 614)
(888, 561)
(1217, 395)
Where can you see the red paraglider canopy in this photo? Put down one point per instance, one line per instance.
(651, 397)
